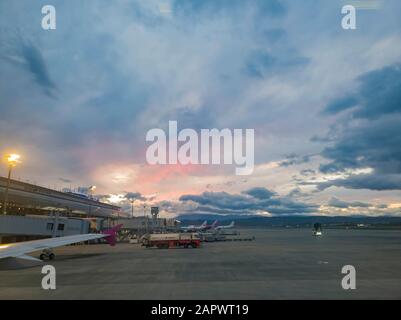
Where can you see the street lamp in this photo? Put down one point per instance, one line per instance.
(91, 189)
(132, 207)
(12, 160)
(146, 218)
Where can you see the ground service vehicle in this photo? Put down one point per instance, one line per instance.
(172, 240)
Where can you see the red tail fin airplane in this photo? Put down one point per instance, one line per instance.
(211, 226)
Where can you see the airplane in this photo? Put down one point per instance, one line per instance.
(211, 226)
(193, 228)
(203, 227)
(229, 226)
(20, 249)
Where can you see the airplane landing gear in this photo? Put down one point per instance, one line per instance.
(47, 254)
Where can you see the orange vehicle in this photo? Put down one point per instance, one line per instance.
(172, 240)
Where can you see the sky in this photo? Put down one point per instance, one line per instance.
(325, 103)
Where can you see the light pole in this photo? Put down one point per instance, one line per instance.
(12, 160)
(146, 218)
(132, 208)
(91, 189)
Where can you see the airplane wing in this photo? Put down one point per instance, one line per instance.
(20, 249)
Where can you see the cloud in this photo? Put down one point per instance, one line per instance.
(271, 8)
(24, 53)
(379, 93)
(253, 201)
(134, 196)
(375, 144)
(121, 68)
(37, 66)
(294, 159)
(335, 202)
(297, 193)
(260, 193)
(340, 104)
(369, 136)
(262, 64)
(307, 172)
(374, 181)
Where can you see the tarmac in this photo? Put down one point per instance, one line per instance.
(279, 264)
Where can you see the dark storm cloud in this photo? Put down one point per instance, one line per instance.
(337, 203)
(220, 200)
(375, 144)
(260, 193)
(339, 105)
(379, 93)
(371, 134)
(373, 181)
(23, 53)
(252, 201)
(36, 65)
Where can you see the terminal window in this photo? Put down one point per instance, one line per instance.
(49, 226)
(60, 226)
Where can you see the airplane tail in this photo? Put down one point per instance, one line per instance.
(111, 237)
(214, 224)
(232, 223)
(204, 224)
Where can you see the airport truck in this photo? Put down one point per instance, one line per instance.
(172, 240)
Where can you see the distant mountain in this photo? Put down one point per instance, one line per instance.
(203, 217)
(283, 221)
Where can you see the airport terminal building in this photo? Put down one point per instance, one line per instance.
(25, 198)
(37, 212)
(34, 211)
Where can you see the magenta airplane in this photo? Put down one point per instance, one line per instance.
(211, 226)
